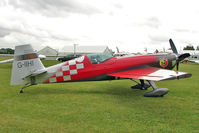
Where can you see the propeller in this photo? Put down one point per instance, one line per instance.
(117, 49)
(180, 57)
(173, 47)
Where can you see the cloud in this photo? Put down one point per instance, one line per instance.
(118, 5)
(183, 30)
(54, 8)
(150, 22)
(153, 22)
(4, 32)
(131, 25)
(158, 38)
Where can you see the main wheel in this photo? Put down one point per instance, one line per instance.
(160, 92)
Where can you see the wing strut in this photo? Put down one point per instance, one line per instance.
(142, 85)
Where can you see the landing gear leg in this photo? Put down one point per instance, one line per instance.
(26, 85)
(142, 85)
(156, 92)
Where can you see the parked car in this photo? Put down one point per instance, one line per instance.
(69, 57)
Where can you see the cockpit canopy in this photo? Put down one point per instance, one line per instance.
(99, 57)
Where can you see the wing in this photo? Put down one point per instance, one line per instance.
(151, 73)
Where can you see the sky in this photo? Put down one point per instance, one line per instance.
(131, 25)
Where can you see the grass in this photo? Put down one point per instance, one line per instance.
(105, 106)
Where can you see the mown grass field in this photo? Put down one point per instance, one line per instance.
(105, 106)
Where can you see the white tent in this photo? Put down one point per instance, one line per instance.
(50, 53)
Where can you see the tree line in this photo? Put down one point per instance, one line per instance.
(190, 47)
(6, 51)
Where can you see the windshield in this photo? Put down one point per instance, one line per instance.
(99, 58)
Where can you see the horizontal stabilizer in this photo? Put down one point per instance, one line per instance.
(36, 73)
(7, 61)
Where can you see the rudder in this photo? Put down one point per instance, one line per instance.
(25, 63)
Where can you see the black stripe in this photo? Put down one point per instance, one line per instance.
(26, 57)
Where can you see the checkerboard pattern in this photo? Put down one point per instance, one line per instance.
(66, 72)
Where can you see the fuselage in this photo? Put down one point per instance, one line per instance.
(87, 68)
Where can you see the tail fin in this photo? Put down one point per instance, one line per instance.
(25, 63)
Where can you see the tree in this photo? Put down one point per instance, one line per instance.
(189, 47)
(10, 51)
(6, 51)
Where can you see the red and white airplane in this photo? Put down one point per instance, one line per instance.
(27, 69)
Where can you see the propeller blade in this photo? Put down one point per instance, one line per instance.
(180, 58)
(177, 66)
(183, 56)
(173, 47)
(117, 49)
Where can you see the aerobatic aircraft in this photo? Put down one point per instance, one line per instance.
(28, 70)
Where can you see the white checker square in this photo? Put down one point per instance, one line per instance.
(52, 80)
(66, 78)
(65, 68)
(80, 59)
(80, 66)
(73, 72)
(59, 74)
(72, 62)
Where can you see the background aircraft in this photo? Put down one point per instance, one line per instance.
(28, 70)
(195, 61)
(118, 53)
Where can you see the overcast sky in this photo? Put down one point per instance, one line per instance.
(132, 25)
